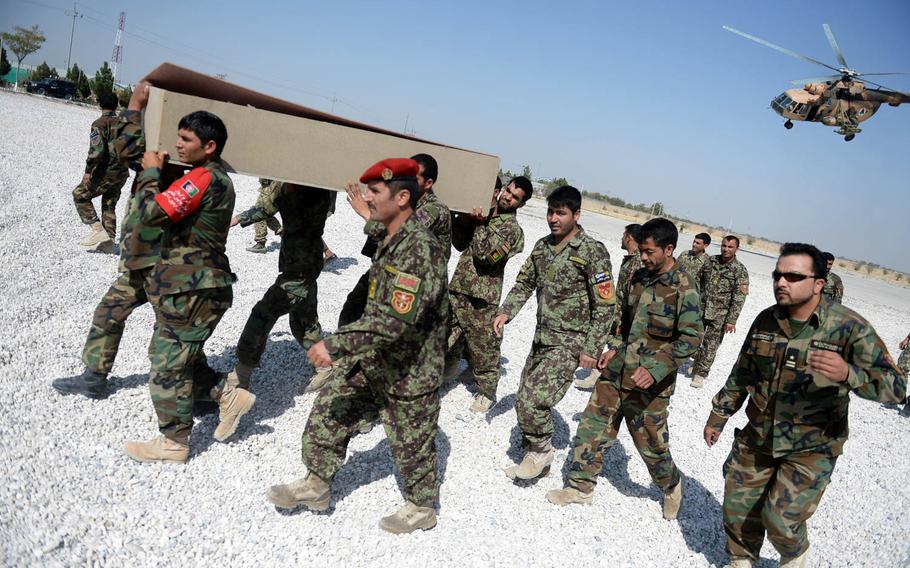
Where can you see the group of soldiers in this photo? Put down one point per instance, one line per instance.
(406, 323)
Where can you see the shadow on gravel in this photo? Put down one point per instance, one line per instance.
(701, 523)
(339, 264)
(129, 382)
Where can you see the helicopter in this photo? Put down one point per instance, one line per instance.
(842, 100)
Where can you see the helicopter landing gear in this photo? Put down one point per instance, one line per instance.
(788, 125)
(849, 137)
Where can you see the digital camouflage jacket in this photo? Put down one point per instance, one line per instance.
(482, 264)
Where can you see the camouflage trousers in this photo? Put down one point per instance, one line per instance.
(183, 323)
(774, 495)
(471, 331)
(903, 362)
(127, 293)
(707, 351)
(356, 302)
(259, 229)
(291, 294)
(410, 426)
(646, 418)
(546, 377)
(108, 187)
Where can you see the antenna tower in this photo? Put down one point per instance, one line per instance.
(116, 57)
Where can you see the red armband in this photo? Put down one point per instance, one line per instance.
(184, 195)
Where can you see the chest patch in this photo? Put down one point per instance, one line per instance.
(762, 336)
(825, 346)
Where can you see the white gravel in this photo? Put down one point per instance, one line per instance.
(70, 497)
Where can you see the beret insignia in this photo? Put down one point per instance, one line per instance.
(387, 174)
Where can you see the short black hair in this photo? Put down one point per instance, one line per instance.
(732, 238)
(819, 266)
(634, 230)
(828, 256)
(566, 196)
(108, 101)
(430, 167)
(524, 184)
(662, 231)
(409, 184)
(704, 237)
(498, 185)
(207, 127)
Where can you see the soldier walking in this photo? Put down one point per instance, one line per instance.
(571, 274)
(660, 328)
(399, 343)
(903, 363)
(692, 260)
(488, 241)
(104, 175)
(834, 286)
(797, 367)
(723, 282)
(260, 227)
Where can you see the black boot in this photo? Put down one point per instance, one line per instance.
(905, 411)
(89, 383)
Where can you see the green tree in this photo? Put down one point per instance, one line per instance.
(104, 81)
(4, 62)
(43, 71)
(23, 42)
(526, 171)
(124, 96)
(76, 75)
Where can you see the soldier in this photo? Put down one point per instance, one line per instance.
(660, 327)
(488, 241)
(692, 260)
(430, 211)
(834, 287)
(903, 363)
(104, 176)
(631, 263)
(723, 282)
(571, 275)
(399, 344)
(798, 364)
(261, 227)
(304, 211)
(191, 282)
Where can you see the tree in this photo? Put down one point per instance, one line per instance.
(43, 71)
(4, 62)
(23, 42)
(526, 171)
(76, 75)
(124, 96)
(104, 81)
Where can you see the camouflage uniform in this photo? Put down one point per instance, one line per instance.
(723, 288)
(782, 461)
(304, 211)
(834, 287)
(434, 215)
(903, 362)
(190, 286)
(692, 263)
(575, 299)
(261, 226)
(475, 290)
(108, 174)
(631, 263)
(661, 328)
(399, 344)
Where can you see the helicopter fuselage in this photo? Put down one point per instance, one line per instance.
(815, 104)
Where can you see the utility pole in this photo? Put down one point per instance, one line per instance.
(74, 15)
(334, 100)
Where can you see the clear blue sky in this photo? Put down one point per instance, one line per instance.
(647, 101)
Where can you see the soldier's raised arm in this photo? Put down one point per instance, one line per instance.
(602, 299)
(265, 208)
(739, 295)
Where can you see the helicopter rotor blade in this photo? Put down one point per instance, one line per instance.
(780, 49)
(879, 85)
(816, 80)
(879, 74)
(834, 46)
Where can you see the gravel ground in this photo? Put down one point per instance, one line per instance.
(69, 495)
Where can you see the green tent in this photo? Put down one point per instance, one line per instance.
(11, 76)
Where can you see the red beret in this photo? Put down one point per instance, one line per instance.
(389, 169)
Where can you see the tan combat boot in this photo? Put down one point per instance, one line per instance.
(311, 491)
(673, 500)
(534, 464)
(798, 562)
(698, 382)
(739, 562)
(319, 379)
(96, 237)
(232, 405)
(408, 519)
(569, 495)
(160, 449)
(481, 404)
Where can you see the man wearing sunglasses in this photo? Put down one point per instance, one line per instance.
(801, 359)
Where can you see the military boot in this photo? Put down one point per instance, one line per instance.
(797, 562)
(905, 411)
(698, 382)
(96, 237)
(568, 496)
(160, 449)
(673, 500)
(311, 491)
(89, 383)
(232, 405)
(256, 247)
(534, 464)
(482, 404)
(106, 247)
(408, 519)
(319, 379)
(739, 562)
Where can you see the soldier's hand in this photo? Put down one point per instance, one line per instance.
(319, 355)
(711, 436)
(88, 177)
(642, 378)
(499, 322)
(729, 328)
(605, 359)
(478, 214)
(829, 364)
(355, 198)
(153, 160)
(904, 343)
(140, 97)
(234, 221)
(586, 362)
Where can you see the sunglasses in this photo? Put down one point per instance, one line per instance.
(789, 276)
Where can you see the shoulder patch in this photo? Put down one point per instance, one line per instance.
(402, 301)
(605, 290)
(601, 277)
(95, 137)
(184, 196)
